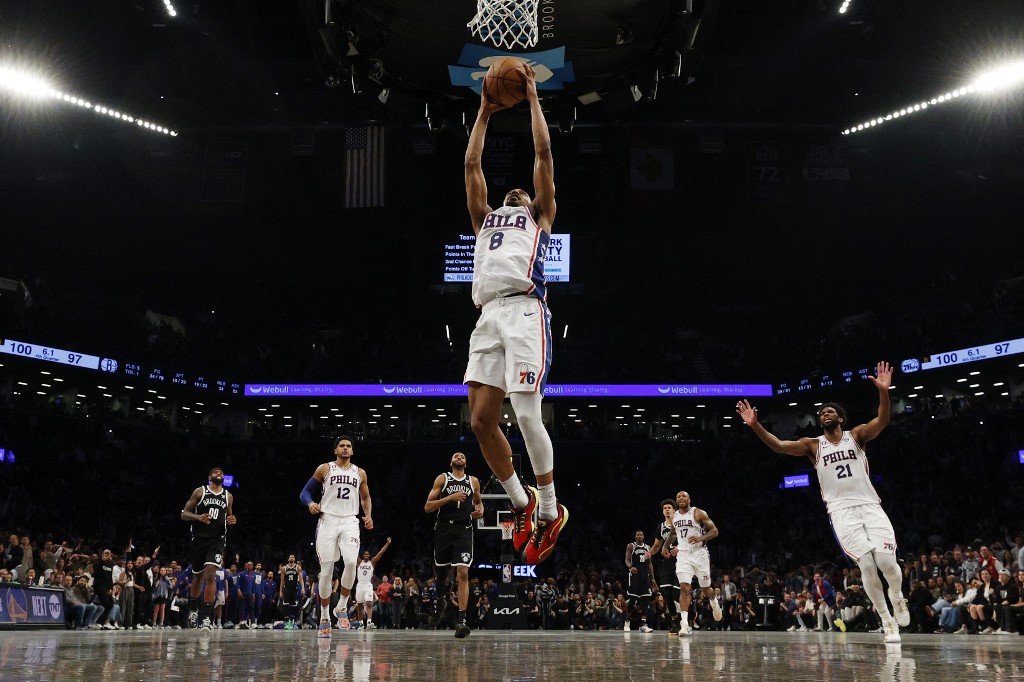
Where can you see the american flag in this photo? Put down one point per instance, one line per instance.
(365, 168)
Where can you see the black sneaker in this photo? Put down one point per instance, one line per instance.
(461, 631)
(193, 620)
(674, 630)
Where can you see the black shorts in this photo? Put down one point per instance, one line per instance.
(205, 551)
(666, 573)
(453, 543)
(290, 597)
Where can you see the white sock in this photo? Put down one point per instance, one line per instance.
(547, 510)
(684, 619)
(515, 491)
(343, 605)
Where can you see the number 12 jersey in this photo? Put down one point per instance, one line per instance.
(341, 491)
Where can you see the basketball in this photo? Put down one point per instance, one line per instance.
(504, 82)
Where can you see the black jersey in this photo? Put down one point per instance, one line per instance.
(663, 531)
(216, 505)
(290, 579)
(458, 511)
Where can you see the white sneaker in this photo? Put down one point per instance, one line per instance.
(108, 626)
(684, 631)
(819, 630)
(716, 611)
(791, 628)
(987, 631)
(645, 629)
(961, 631)
(625, 627)
(1001, 631)
(892, 632)
(371, 626)
(899, 607)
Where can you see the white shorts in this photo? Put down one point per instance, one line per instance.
(364, 592)
(335, 532)
(222, 598)
(510, 348)
(863, 529)
(690, 564)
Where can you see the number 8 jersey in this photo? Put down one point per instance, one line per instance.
(341, 491)
(843, 474)
(509, 256)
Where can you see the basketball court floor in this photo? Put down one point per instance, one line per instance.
(502, 655)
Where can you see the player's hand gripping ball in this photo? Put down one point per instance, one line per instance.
(505, 82)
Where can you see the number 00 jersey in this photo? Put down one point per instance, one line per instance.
(843, 474)
(216, 505)
(509, 256)
(341, 491)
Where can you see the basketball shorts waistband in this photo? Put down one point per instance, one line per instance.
(521, 298)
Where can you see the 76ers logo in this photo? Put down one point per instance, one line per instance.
(889, 546)
(526, 375)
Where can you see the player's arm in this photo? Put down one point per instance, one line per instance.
(669, 541)
(629, 556)
(434, 499)
(478, 501)
(231, 514)
(711, 530)
(543, 164)
(378, 555)
(189, 512)
(476, 184)
(315, 482)
(364, 500)
(805, 447)
(883, 379)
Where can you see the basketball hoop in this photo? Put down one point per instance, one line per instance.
(506, 528)
(506, 23)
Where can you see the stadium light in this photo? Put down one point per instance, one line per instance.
(996, 79)
(845, 6)
(27, 85)
(171, 12)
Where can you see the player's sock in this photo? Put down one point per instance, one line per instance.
(684, 619)
(515, 491)
(547, 509)
(193, 603)
(462, 617)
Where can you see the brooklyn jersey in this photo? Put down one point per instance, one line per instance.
(687, 527)
(290, 579)
(664, 528)
(364, 572)
(216, 505)
(843, 474)
(459, 511)
(341, 491)
(509, 256)
(643, 574)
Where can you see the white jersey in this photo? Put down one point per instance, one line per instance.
(341, 491)
(509, 256)
(843, 474)
(686, 526)
(364, 572)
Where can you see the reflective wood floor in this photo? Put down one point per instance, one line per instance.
(155, 656)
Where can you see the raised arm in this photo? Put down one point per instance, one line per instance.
(805, 447)
(378, 555)
(476, 184)
(883, 379)
(543, 165)
(189, 512)
(364, 500)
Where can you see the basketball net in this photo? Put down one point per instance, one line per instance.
(506, 529)
(506, 23)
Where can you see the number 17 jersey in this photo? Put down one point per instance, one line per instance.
(341, 491)
(843, 474)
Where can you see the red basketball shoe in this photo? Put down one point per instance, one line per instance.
(544, 537)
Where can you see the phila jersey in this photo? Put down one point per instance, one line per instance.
(216, 505)
(459, 511)
(686, 527)
(509, 256)
(364, 572)
(341, 491)
(843, 474)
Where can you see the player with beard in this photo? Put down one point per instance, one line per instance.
(691, 528)
(210, 511)
(641, 581)
(861, 526)
(453, 532)
(292, 592)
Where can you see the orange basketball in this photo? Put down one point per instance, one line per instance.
(504, 82)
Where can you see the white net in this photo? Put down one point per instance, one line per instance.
(506, 23)
(506, 529)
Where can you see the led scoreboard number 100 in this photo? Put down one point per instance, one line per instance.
(58, 355)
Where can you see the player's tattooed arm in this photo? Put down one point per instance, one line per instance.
(231, 513)
(629, 557)
(711, 530)
(189, 512)
(434, 499)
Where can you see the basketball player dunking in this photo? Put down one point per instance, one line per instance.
(453, 531)
(666, 570)
(854, 508)
(364, 585)
(210, 511)
(641, 580)
(344, 489)
(691, 528)
(510, 349)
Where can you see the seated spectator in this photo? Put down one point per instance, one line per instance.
(980, 610)
(919, 600)
(78, 597)
(1009, 597)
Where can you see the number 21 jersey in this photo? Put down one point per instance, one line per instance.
(341, 491)
(843, 474)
